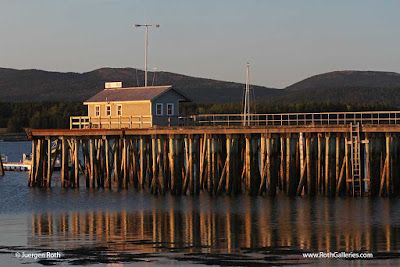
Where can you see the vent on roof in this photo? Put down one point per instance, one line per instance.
(109, 85)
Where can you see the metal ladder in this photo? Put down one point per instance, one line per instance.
(355, 159)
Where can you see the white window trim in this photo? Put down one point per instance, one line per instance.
(108, 107)
(162, 109)
(173, 113)
(117, 110)
(95, 111)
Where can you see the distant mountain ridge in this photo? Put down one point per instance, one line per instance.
(335, 87)
(38, 85)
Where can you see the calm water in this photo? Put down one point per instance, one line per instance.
(102, 226)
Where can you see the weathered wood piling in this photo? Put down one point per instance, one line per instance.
(290, 160)
(1, 167)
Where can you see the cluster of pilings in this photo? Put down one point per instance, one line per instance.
(259, 164)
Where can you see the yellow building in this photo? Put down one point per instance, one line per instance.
(132, 107)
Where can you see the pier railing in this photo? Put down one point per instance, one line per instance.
(111, 122)
(324, 118)
(280, 119)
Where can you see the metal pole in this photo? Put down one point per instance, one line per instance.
(145, 58)
(246, 108)
(248, 93)
(145, 47)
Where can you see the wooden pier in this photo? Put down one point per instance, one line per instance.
(343, 159)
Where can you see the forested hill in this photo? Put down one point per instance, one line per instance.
(38, 85)
(344, 87)
(336, 79)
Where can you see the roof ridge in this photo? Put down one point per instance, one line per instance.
(141, 87)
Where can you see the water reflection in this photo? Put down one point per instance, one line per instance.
(229, 226)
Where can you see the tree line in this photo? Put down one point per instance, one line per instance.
(15, 116)
(270, 108)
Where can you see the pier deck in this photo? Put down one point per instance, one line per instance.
(16, 166)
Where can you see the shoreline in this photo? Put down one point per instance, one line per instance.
(13, 138)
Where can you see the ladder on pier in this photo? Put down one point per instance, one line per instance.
(355, 150)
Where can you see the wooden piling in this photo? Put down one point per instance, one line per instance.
(311, 166)
(153, 186)
(42, 164)
(337, 159)
(209, 165)
(395, 187)
(179, 160)
(142, 162)
(108, 170)
(367, 178)
(117, 162)
(389, 165)
(262, 164)
(91, 156)
(196, 164)
(291, 169)
(330, 165)
(33, 163)
(172, 164)
(48, 176)
(214, 164)
(228, 164)
(85, 151)
(190, 166)
(272, 164)
(282, 170)
(2, 170)
(64, 161)
(161, 168)
(125, 161)
(374, 163)
(327, 148)
(203, 145)
(303, 163)
(76, 162)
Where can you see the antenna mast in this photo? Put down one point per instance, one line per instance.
(145, 47)
(246, 106)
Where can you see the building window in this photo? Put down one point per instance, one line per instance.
(159, 109)
(97, 111)
(119, 110)
(170, 109)
(108, 110)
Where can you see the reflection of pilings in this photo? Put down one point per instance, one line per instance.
(304, 224)
(295, 163)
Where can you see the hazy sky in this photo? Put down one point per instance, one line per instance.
(284, 40)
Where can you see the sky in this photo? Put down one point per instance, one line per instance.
(284, 41)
